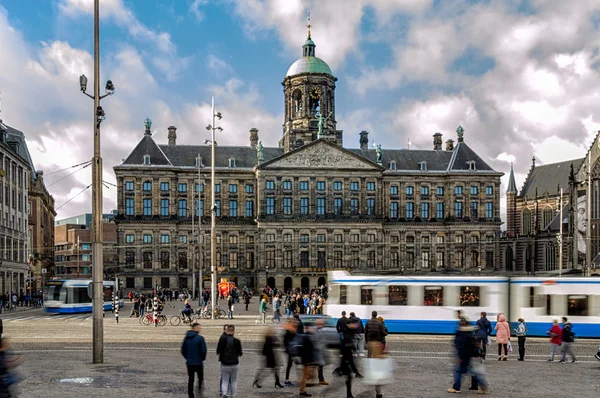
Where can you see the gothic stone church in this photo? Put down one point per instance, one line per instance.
(288, 214)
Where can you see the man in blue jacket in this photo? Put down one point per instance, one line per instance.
(193, 350)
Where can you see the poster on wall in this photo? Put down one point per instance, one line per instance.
(581, 222)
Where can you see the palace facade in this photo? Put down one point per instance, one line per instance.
(288, 214)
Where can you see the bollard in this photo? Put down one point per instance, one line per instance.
(155, 311)
(116, 304)
(113, 302)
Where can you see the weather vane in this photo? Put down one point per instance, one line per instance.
(308, 25)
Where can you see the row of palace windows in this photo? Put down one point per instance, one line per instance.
(183, 210)
(183, 187)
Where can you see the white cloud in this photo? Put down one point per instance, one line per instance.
(218, 66)
(195, 9)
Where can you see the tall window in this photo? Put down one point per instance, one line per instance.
(147, 260)
(233, 208)
(182, 187)
(217, 188)
(287, 206)
(474, 190)
(474, 209)
(304, 259)
(199, 207)
(394, 259)
(439, 210)
(458, 209)
(550, 257)
(249, 188)
(337, 206)
(130, 259)
(147, 207)
(458, 190)
(526, 222)
(164, 207)
(354, 206)
(489, 210)
(489, 190)
(337, 185)
(439, 259)
(200, 188)
(218, 208)
(370, 206)
(410, 210)
(165, 260)
(269, 184)
(354, 186)
(270, 208)
(249, 208)
(129, 185)
(129, 206)
(164, 186)
(425, 210)
(394, 190)
(410, 190)
(370, 186)
(287, 185)
(183, 263)
(182, 208)
(233, 188)
(321, 206)
(394, 210)
(233, 260)
(270, 258)
(304, 185)
(320, 185)
(425, 260)
(147, 186)
(164, 239)
(439, 191)
(424, 190)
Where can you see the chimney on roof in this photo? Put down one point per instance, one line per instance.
(449, 145)
(172, 135)
(253, 137)
(437, 142)
(364, 140)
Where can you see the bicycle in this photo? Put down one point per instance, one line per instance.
(187, 320)
(148, 319)
(219, 313)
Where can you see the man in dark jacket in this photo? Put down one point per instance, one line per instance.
(359, 335)
(229, 350)
(340, 324)
(374, 335)
(193, 350)
(484, 329)
(464, 345)
(568, 338)
(308, 361)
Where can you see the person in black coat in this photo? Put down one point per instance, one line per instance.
(270, 360)
(193, 350)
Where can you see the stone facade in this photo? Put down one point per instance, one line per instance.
(14, 182)
(41, 231)
(287, 215)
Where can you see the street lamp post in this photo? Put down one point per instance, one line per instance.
(213, 209)
(97, 264)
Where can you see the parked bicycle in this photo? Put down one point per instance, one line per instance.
(219, 313)
(187, 320)
(148, 319)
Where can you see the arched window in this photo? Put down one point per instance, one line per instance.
(547, 217)
(297, 103)
(329, 101)
(526, 227)
(550, 257)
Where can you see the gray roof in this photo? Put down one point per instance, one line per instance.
(245, 156)
(554, 225)
(14, 135)
(548, 178)
(512, 185)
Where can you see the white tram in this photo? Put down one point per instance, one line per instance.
(70, 296)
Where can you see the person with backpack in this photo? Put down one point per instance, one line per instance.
(484, 330)
(465, 346)
(229, 350)
(521, 331)
(193, 350)
(568, 338)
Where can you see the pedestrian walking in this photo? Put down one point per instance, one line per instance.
(484, 330)
(555, 334)
(464, 345)
(502, 337)
(385, 330)
(308, 362)
(291, 331)
(318, 339)
(229, 350)
(276, 309)
(359, 335)
(230, 303)
(521, 331)
(263, 310)
(341, 322)
(193, 350)
(270, 363)
(375, 338)
(347, 349)
(568, 338)
(246, 299)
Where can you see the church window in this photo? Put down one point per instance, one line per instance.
(546, 217)
(526, 222)
(297, 103)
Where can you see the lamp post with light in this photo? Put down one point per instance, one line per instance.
(213, 208)
(97, 264)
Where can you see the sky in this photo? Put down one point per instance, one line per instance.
(521, 77)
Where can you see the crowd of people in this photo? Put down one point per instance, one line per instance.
(22, 299)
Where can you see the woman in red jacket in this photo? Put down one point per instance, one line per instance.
(555, 333)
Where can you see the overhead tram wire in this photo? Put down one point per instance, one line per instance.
(68, 175)
(70, 167)
(70, 199)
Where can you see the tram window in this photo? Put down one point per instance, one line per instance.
(469, 296)
(54, 289)
(531, 297)
(397, 295)
(548, 304)
(343, 294)
(577, 305)
(108, 291)
(366, 295)
(81, 295)
(434, 295)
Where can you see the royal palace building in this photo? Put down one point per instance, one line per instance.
(288, 214)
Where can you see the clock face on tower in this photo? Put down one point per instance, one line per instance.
(315, 93)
